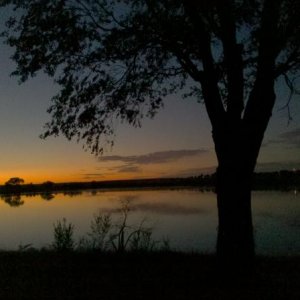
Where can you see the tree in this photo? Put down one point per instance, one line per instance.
(14, 181)
(119, 59)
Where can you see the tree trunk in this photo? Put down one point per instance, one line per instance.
(237, 152)
(235, 243)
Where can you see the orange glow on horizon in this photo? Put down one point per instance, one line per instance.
(88, 169)
(36, 178)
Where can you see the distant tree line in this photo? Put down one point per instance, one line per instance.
(280, 180)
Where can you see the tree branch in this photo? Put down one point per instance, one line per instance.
(293, 91)
(208, 81)
(262, 98)
(292, 61)
(89, 14)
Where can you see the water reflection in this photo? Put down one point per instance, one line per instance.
(156, 208)
(275, 219)
(187, 217)
(169, 209)
(17, 199)
(72, 193)
(47, 196)
(12, 200)
(294, 223)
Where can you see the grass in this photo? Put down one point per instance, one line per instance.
(157, 275)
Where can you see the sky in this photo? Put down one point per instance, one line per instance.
(176, 143)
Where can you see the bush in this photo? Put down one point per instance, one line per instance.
(105, 235)
(101, 226)
(63, 236)
(132, 238)
(141, 240)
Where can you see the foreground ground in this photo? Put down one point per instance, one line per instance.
(49, 275)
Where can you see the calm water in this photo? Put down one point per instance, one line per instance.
(188, 218)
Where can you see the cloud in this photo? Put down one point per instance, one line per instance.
(291, 138)
(154, 157)
(196, 171)
(276, 166)
(127, 169)
(293, 134)
(93, 175)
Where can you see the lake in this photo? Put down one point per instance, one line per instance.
(185, 217)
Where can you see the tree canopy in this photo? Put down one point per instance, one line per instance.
(14, 181)
(119, 59)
